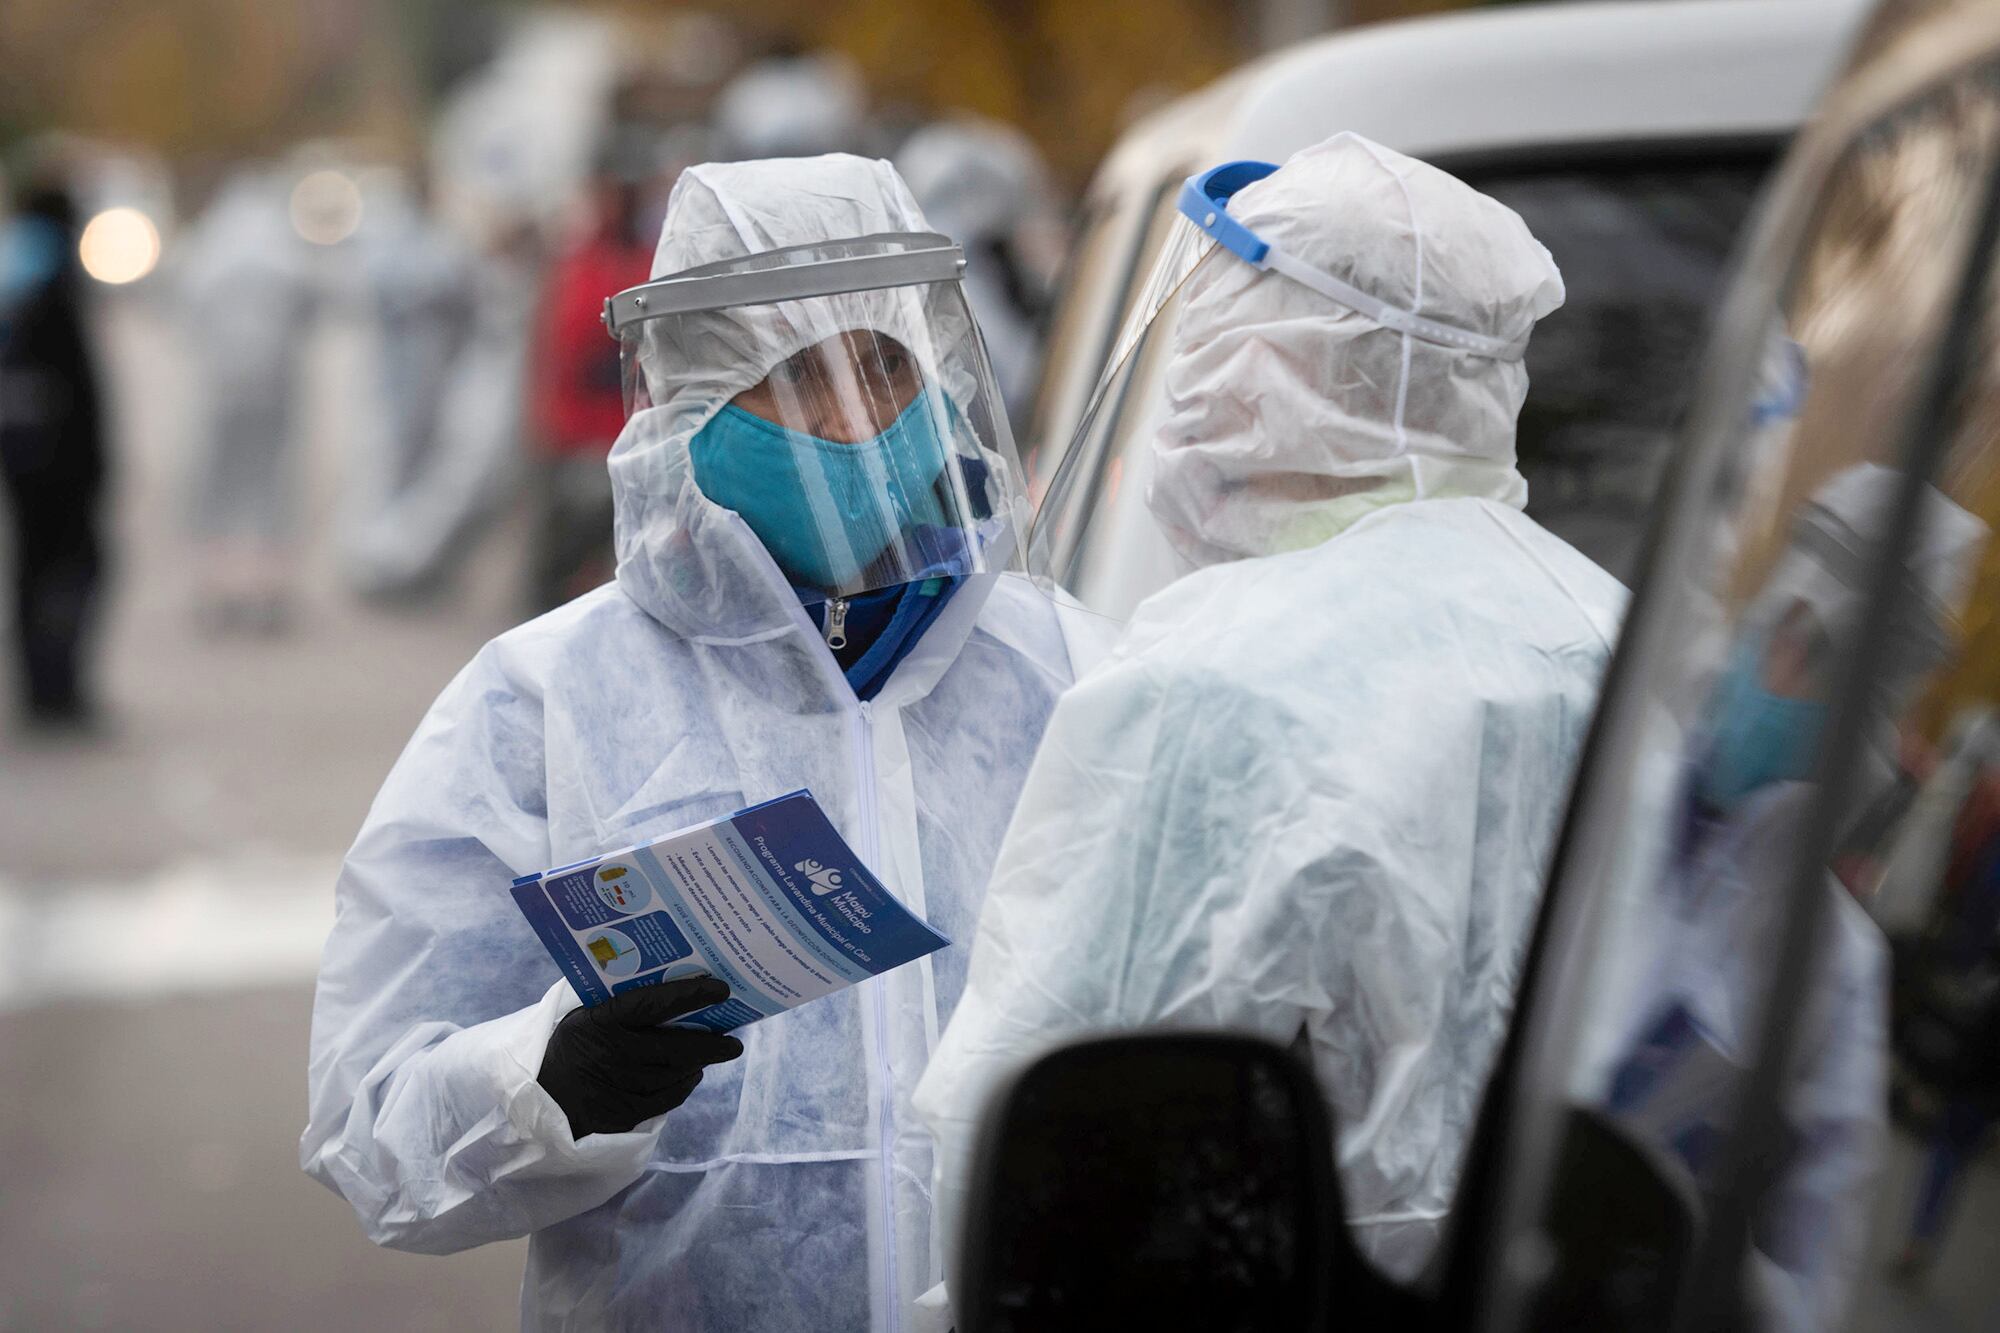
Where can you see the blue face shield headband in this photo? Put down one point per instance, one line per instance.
(1204, 201)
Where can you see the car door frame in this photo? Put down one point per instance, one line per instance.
(1487, 1266)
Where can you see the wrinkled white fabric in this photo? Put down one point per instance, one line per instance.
(1313, 793)
(1290, 416)
(792, 1190)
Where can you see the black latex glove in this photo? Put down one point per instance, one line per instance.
(612, 1066)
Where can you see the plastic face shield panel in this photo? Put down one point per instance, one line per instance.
(1096, 482)
(1096, 487)
(837, 397)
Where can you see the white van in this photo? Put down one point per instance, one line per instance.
(1632, 138)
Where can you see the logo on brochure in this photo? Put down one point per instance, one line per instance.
(824, 881)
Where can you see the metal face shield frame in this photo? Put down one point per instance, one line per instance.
(837, 397)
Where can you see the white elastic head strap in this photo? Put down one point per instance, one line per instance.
(1389, 316)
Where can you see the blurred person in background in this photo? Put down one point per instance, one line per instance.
(52, 457)
(418, 283)
(793, 104)
(247, 298)
(1951, 1042)
(758, 638)
(983, 184)
(1313, 791)
(1947, 984)
(576, 398)
(1718, 917)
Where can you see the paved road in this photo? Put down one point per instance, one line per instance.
(163, 895)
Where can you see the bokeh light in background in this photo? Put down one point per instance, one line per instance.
(326, 206)
(119, 245)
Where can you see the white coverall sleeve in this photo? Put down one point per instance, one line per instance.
(435, 998)
(1100, 915)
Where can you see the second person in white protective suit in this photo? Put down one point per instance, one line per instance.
(814, 509)
(1312, 792)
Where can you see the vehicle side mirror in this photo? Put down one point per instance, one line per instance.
(1623, 1223)
(1154, 1181)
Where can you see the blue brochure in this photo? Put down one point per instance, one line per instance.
(769, 899)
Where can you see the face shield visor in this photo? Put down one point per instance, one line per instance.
(837, 397)
(1095, 504)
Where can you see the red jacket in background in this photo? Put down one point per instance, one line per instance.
(576, 400)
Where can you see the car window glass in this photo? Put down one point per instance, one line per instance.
(1705, 846)
(1643, 250)
(1924, 857)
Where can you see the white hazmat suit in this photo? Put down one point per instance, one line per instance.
(248, 291)
(1313, 793)
(792, 1190)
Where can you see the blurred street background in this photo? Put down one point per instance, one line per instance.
(155, 1089)
(340, 270)
(388, 225)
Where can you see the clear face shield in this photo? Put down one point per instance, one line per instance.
(1095, 504)
(837, 397)
(1096, 500)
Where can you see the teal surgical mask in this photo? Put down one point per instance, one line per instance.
(1759, 737)
(825, 511)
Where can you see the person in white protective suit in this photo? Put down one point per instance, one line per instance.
(847, 625)
(1312, 791)
(419, 286)
(1719, 915)
(983, 184)
(247, 290)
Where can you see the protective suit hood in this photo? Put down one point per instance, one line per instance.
(1291, 415)
(693, 565)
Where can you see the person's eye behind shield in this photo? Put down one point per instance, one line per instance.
(846, 389)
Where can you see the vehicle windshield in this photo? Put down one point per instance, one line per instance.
(1643, 250)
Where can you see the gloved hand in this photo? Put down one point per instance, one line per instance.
(610, 1067)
